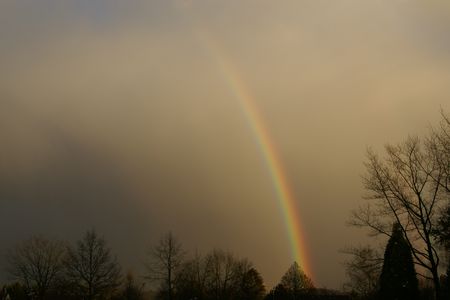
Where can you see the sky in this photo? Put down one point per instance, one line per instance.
(115, 115)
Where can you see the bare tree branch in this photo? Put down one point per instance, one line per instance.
(36, 263)
(405, 187)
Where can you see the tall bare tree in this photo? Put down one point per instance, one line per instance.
(405, 187)
(218, 275)
(91, 269)
(439, 147)
(36, 263)
(224, 273)
(363, 270)
(164, 260)
(191, 278)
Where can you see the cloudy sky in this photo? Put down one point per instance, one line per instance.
(115, 115)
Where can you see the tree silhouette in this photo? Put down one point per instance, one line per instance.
(130, 291)
(406, 187)
(90, 269)
(443, 227)
(398, 277)
(36, 263)
(438, 146)
(15, 291)
(295, 280)
(224, 273)
(191, 279)
(294, 283)
(279, 292)
(363, 270)
(446, 283)
(218, 275)
(252, 286)
(165, 259)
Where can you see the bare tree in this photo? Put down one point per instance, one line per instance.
(405, 187)
(218, 275)
(224, 273)
(131, 290)
(165, 259)
(90, 269)
(36, 263)
(363, 270)
(438, 145)
(191, 278)
(252, 286)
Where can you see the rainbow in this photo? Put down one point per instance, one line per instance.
(269, 152)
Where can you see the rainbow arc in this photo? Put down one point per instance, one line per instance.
(266, 145)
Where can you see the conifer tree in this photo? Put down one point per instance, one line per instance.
(398, 277)
(296, 282)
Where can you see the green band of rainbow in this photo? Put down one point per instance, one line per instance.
(267, 147)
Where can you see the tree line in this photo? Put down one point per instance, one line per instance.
(407, 201)
(41, 268)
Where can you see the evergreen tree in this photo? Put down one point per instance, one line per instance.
(295, 283)
(295, 279)
(398, 279)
